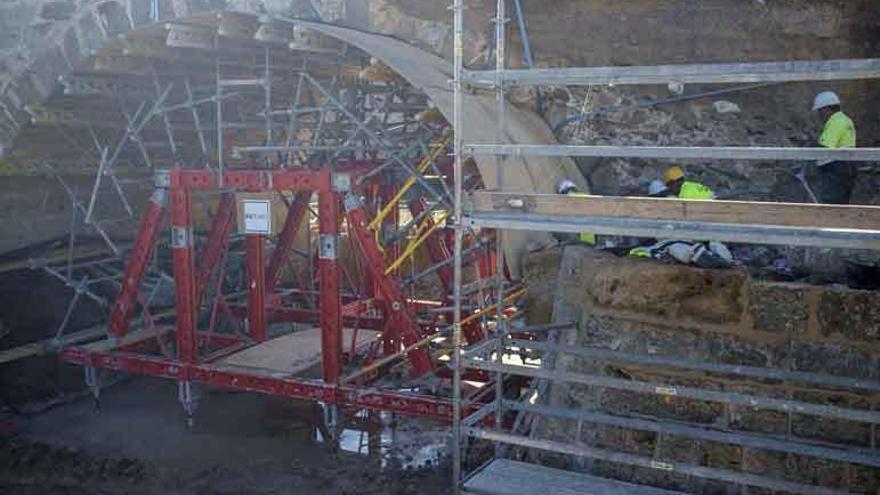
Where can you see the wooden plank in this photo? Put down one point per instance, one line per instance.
(748, 72)
(679, 152)
(293, 353)
(852, 217)
(507, 477)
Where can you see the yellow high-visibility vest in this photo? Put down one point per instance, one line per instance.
(838, 132)
(695, 190)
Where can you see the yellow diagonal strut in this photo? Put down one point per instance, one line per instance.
(436, 148)
(415, 243)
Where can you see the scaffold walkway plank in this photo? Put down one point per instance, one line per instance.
(669, 229)
(507, 477)
(822, 70)
(679, 152)
(818, 216)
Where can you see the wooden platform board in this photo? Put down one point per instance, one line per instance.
(506, 477)
(293, 353)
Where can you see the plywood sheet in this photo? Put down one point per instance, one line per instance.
(293, 353)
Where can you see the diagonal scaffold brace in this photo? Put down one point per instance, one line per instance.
(401, 322)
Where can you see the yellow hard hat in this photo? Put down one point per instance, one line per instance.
(673, 173)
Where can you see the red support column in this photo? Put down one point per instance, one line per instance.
(328, 268)
(399, 313)
(184, 268)
(371, 192)
(255, 247)
(391, 335)
(139, 259)
(292, 224)
(218, 237)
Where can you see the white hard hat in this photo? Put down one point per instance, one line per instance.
(565, 185)
(656, 188)
(825, 99)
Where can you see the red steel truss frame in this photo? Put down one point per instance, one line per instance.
(197, 355)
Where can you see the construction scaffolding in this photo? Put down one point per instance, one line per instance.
(523, 361)
(236, 117)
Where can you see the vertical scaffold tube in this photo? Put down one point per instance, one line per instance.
(458, 61)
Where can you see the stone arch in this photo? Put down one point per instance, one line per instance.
(423, 70)
(68, 39)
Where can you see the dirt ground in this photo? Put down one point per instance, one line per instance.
(241, 443)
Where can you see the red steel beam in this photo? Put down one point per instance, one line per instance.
(259, 180)
(139, 259)
(255, 247)
(184, 267)
(256, 180)
(391, 337)
(218, 239)
(296, 213)
(254, 381)
(328, 278)
(399, 314)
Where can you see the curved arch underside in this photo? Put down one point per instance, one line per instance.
(426, 72)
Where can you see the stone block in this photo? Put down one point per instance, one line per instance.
(114, 17)
(542, 272)
(780, 308)
(850, 313)
(140, 11)
(691, 344)
(681, 295)
(834, 359)
(72, 50)
(58, 10)
(91, 36)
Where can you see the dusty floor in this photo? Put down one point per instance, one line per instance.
(241, 443)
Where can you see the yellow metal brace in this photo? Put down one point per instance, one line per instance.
(436, 148)
(415, 243)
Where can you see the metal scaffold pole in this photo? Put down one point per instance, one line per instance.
(458, 142)
(500, 326)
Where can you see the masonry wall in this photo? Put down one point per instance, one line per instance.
(719, 316)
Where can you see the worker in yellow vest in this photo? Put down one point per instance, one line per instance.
(568, 187)
(678, 186)
(838, 131)
(704, 254)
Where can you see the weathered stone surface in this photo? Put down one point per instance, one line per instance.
(58, 10)
(778, 307)
(852, 314)
(682, 295)
(832, 358)
(623, 306)
(692, 344)
(542, 270)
